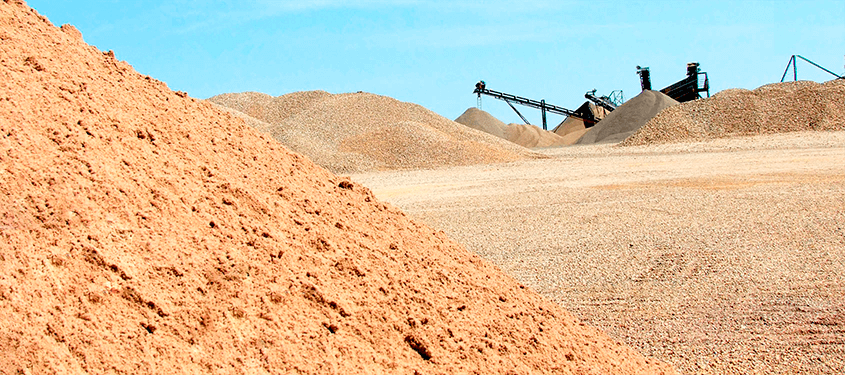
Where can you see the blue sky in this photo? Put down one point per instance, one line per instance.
(433, 52)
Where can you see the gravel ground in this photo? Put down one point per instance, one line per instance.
(723, 256)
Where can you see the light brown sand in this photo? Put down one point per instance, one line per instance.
(721, 257)
(145, 231)
(481, 120)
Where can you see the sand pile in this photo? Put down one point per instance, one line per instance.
(571, 129)
(481, 120)
(522, 134)
(359, 132)
(145, 231)
(532, 136)
(773, 108)
(627, 118)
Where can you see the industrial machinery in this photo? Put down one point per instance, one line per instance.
(608, 102)
(793, 62)
(583, 112)
(684, 90)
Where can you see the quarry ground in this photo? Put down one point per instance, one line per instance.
(723, 256)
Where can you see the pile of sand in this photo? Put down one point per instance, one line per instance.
(145, 231)
(531, 136)
(773, 108)
(522, 134)
(359, 132)
(481, 120)
(627, 118)
(571, 129)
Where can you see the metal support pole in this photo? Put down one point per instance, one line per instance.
(817, 66)
(517, 112)
(791, 61)
(543, 110)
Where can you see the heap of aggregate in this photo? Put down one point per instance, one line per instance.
(142, 230)
(769, 109)
(522, 134)
(358, 132)
(627, 118)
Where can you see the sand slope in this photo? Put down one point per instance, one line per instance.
(362, 132)
(627, 118)
(532, 136)
(144, 231)
(481, 120)
(773, 108)
(522, 134)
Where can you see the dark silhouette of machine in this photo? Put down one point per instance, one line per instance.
(584, 112)
(684, 90)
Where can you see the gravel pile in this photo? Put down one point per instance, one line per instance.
(357, 132)
(627, 118)
(267, 108)
(773, 108)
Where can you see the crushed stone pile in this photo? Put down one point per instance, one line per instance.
(144, 231)
(522, 134)
(359, 132)
(270, 109)
(773, 108)
(627, 118)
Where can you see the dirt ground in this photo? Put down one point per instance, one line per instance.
(723, 256)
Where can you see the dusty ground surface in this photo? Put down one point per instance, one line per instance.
(145, 231)
(720, 257)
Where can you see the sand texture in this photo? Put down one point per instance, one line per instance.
(144, 231)
(720, 257)
(525, 135)
(773, 108)
(362, 132)
(481, 120)
(627, 118)
(532, 136)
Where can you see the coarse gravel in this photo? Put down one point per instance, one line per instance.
(356, 132)
(721, 256)
(773, 108)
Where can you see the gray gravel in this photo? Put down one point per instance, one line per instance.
(726, 256)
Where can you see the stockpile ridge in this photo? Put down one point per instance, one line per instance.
(358, 132)
(522, 134)
(144, 231)
(482, 120)
(627, 118)
(773, 108)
